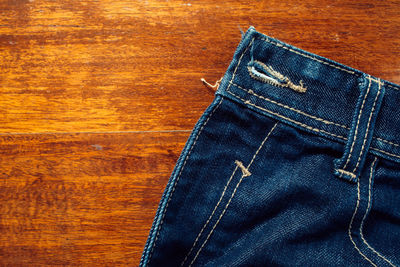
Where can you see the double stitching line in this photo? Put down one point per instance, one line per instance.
(396, 88)
(299, 111)
(290, 108)
(384, 152)
(233, 77)
(271, 112)
(311, 128)
(386, 141)
(307, 56)
(179, 175)
(250, 91)
(209, 218)
(352, 175)
(351, 223)
(369, 121)
(356, 131)
(318, 60)
(363, 220)
(288, 119)
(365, 216)
(240, 59)
(205, 225)
(233, 194)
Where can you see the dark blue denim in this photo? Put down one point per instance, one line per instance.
(296, 162)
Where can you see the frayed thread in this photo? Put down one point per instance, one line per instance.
(245, 171)
(241, 30)
(277, 78)
(213, 86)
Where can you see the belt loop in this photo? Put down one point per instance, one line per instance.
(349, 166)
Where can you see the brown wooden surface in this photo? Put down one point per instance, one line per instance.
(97, 99)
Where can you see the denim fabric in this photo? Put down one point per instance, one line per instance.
(296, 162)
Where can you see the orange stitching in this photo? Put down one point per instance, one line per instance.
(384, 152)
(264, 78)
(288, 107)
(358, 121)
(288, 119)
(365, 216)
(352, 175)
(394, 87)
(209, 218)
(366, 132)
(351, 224)
(177, 179)
(318, 60)
(237, 65)
(219, 218)
(245, 171)
(386, 141)
(233, 77)
(244, 174)
(307, 56)
(307, 126)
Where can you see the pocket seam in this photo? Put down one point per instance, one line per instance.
(366, 214)
(360, 228)
(324, 133)
(210, 217)
(245, 173)
(146, 259)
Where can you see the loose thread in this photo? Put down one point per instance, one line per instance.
(215, 86)
(241, 31)
(245, 171)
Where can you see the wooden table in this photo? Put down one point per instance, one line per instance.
(98, 98)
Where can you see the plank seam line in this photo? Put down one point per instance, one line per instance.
(94, 132)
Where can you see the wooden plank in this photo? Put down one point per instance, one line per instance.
(75, 199)
(98, 67)
(123, 65)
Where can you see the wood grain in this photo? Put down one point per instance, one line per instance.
(81, 199)
(97, 99)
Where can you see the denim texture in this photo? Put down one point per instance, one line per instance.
(296, 162)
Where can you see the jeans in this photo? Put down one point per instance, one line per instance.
(296, 162)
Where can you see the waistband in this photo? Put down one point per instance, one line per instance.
(309, 91)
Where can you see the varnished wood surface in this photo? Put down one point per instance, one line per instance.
(97, 99)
